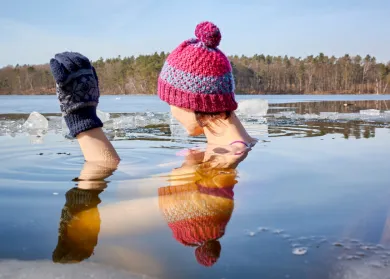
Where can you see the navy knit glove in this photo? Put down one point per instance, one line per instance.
(77, 91)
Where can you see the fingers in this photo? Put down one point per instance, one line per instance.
(59, 72)
(80, 60)
(67, 63)
(73, 61)
(64, 59)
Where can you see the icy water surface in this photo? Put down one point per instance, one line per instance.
(310, 200)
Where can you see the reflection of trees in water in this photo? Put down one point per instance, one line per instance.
(315, 128)
(335, 106)
(356, 129)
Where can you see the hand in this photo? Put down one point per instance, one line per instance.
(76, 79)
(77, 91)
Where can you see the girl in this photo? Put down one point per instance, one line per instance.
(196, 81)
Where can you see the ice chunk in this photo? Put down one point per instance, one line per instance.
(308, 116)
(300, 251)
(104, 116)
(36, 121)
(36, 139)
(124, 122)
(11, 127)
(65, 129)
(250, 233)
(177, 130)
(262, 229)
(329, 115)
(257, 107)
(36, 125)
(370, 112)
(376, 264)
(287, 114)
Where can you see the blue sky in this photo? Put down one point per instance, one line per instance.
(32, 31)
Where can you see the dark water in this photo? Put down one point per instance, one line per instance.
(314, 181)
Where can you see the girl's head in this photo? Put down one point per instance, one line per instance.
(197, 81)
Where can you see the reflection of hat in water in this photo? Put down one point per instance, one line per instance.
(197, 216)
(79, 226)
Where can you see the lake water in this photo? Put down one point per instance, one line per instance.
(311, 199)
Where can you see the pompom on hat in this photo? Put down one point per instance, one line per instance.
(197, 75)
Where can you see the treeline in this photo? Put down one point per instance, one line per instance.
(333, 106)
(258, 74)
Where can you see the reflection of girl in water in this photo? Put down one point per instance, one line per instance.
(197, 82)
(80, 219)
(79, 226)
(199, 203)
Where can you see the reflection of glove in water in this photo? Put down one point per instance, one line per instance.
(77, 91)
(79, 226)
(198, 213)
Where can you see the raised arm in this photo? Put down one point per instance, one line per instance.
(78, 92)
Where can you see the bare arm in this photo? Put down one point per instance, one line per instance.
(96, 147)
(77, 88)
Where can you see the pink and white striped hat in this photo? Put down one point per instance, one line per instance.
(197, 75)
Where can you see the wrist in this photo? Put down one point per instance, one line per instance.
(82, 120)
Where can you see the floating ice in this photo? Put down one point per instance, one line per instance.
(352, 257)
(65, 129)
(11, 127)
(36, 121)
(36, 139)
(277, 231)
(124, 122)
(177, 130)
(376, 264)
(257, 107)
(364, 115)
(299, 251)
(104, 116)
(370, 112)
(380, 247)
(36, 125)
(367, 248)
(329, 115)
(250, 233)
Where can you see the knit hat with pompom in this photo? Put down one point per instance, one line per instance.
(197, 75)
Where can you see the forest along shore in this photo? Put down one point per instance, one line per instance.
(258, 74)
